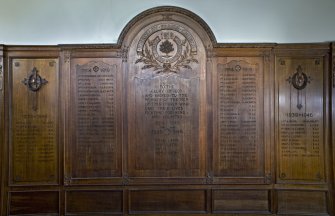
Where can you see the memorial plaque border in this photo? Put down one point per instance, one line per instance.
(209, 183)
(45, 53)
(306, 51)
(90, 52)
(265, 52)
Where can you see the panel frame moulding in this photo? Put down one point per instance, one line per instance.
(313, 52)
(190, 22)
(264, 54)
(133, 188)
(69, 55)
(28, 53)
(332, 83)
(2, 124)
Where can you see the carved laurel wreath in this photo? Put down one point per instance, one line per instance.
(184, 59)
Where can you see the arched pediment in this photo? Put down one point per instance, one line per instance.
(168, 13)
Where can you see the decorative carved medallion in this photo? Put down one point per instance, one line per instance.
(34, 82)
(299, 81)
(166, 48)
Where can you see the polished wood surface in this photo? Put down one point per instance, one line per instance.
(167, 122)
(33, 139)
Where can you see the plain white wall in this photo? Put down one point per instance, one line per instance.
(34, 22)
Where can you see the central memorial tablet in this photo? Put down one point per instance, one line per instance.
(166, 92)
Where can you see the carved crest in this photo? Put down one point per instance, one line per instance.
(34, 81)
(299, 81)
(168, 49)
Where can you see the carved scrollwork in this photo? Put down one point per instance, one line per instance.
(268, 178)
(67, 180)
(168, 49)
(209, 178)
(67, 56)
(34, 81)
(123, 53)
(125, 179)
(299, 81)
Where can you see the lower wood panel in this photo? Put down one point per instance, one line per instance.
(36, 202)
(302, 202)
(241, 201)
(93, 202)
(167, 201)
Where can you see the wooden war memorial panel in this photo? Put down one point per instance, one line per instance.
(239, 150)
(94, 144)
(34, 115)
(167, 121)
(166, 97)
(301, 148)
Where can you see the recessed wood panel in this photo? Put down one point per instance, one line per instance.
(167, 201)
(239, 116)
(34, 121)
(94, 202)
(302, 202)
(37, 202)
(94, 149)
(300, 123)
(241, 201)
(166, 103)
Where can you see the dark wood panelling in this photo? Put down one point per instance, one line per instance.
(34, 121)
(238, 201)
(167, 121)
(333, 120)
(2, 125)
(302, 202)
(94, 148)
(36, 202)
(239, 147)
(94, 202)
(301, 134)
(167, 201)
(243, 119)
(166, 103)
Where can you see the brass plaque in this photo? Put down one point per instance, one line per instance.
(300, 119)
(34, 113)
(239, 151)
(95, 152)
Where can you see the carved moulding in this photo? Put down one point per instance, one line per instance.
(167, 12)
(166, 48)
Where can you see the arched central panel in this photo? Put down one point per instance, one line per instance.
(166, 101)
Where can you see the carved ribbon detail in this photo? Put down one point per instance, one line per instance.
(167, 49)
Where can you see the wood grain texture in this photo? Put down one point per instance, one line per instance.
(94, 149)
(166, 102)
(93, 202)
(167, 201)
(251, 201)
(302, 202)
(301, 135)
(2, 125)
(37, 202)
(34, 116)
(168, 122)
